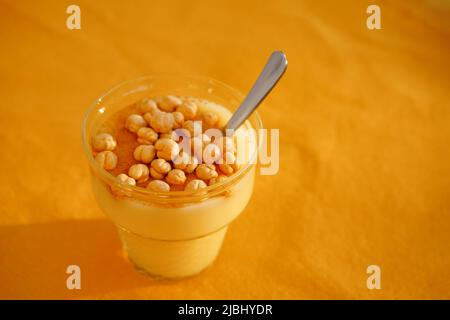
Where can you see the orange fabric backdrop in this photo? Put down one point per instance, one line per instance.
(364, 119)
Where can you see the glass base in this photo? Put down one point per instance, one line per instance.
(161, 259)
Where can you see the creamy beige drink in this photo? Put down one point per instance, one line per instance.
(172, 207)
(174, 241)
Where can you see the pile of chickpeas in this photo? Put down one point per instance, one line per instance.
(162, 162)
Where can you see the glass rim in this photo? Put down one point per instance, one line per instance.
(209, 191)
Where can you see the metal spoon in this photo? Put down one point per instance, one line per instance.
(272, 72)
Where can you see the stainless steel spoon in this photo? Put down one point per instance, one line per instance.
(272, 72)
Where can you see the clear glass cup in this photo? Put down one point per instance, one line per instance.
(180, 233)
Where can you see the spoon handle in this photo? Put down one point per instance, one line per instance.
(272, 72)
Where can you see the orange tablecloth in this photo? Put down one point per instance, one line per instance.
(364, 119)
